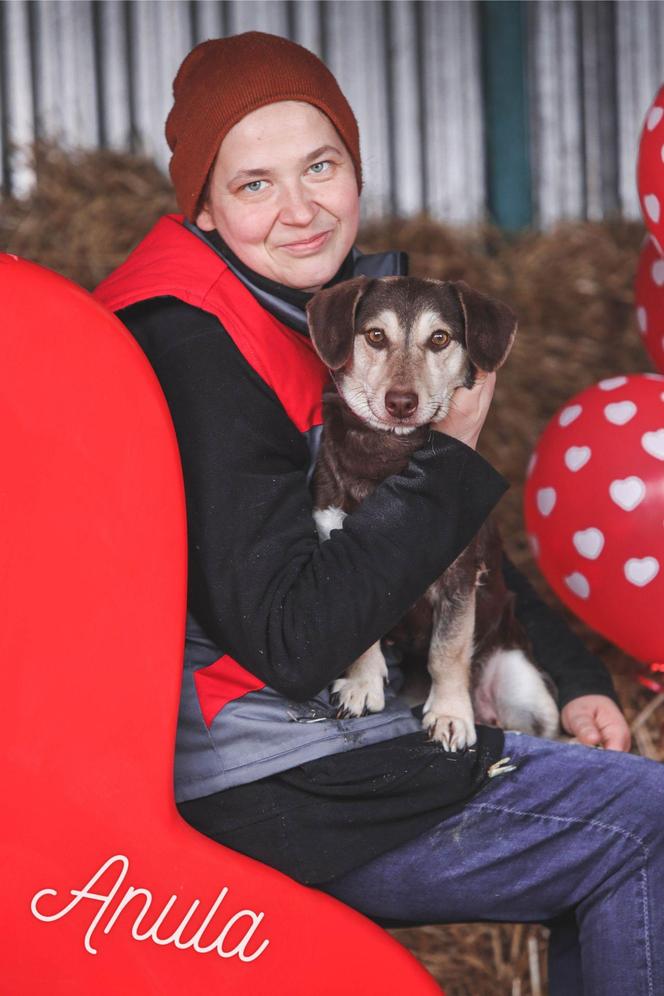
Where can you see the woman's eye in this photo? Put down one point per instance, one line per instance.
(440, 339)
(375, 336)
(254, 186)
(320, 167)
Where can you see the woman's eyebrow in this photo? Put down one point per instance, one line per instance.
(321, 152)
(259, 172)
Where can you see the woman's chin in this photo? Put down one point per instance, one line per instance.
(310, 273)
(310, 277)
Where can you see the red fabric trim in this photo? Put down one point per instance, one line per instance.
(171, 261)
(220, 683)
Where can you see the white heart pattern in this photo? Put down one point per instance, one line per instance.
(657, 272)
(620, 412)
(577, 583)
(653, 443)
(546, 499)
(641, 572)
(569, 415)
(651, 204)
(642, 319)
(628, 493)
(589, 542)
(577, 457)
(611, 383)
(654, 117)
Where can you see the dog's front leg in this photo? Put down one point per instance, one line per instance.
(363, 685)
(448, 711)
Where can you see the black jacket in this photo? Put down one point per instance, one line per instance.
(325, 817)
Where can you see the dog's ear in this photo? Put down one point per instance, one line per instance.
(331, 317)
(490, 327)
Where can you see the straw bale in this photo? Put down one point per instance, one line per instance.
(572, 289)
(87, 212)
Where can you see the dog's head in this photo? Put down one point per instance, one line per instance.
(400, 346)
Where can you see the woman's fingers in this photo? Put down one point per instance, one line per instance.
(468, 410)
(596, 720)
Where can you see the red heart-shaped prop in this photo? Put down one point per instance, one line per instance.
(105, 889)
(594, 507)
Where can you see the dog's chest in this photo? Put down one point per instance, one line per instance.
(353, 459)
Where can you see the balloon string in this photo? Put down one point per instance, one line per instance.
(652, 686)
(656, 668)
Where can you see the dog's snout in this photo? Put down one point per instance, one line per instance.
(401, 404)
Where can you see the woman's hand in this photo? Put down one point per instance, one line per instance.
(468, 410)
(596, 720)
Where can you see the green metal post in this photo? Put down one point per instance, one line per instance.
(503, 32)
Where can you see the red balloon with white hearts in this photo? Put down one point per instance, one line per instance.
(594, 508)
(650, 170)
(649, 301)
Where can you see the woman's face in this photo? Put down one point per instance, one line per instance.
(283, 195)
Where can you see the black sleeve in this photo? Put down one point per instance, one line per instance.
(558, 650)
(292, 611)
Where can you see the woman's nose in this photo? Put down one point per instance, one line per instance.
(297, 205)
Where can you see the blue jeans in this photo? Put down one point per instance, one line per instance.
(574, 838)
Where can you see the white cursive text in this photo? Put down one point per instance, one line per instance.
(120, 866)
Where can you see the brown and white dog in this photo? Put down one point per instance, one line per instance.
(398, 348)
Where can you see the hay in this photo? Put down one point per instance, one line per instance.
(572, 290)
(87, 212)
(482, 959)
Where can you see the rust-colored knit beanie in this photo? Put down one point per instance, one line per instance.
(222, 80)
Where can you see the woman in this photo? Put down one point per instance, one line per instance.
(266, 168)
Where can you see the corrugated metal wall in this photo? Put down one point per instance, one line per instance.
(594, 69)
(100, 73)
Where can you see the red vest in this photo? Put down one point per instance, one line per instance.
(172, 261)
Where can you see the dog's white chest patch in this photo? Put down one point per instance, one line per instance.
(327, 519)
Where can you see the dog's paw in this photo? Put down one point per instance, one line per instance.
(452, 732)
(356, 696)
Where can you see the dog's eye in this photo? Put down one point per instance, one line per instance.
(376, 337)
(439, 339)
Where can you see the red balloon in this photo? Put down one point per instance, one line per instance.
(649, 300)
(594, 508)
(650, 169)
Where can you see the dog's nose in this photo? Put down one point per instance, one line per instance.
(401, 404)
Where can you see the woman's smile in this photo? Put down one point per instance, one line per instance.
(303, 247)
